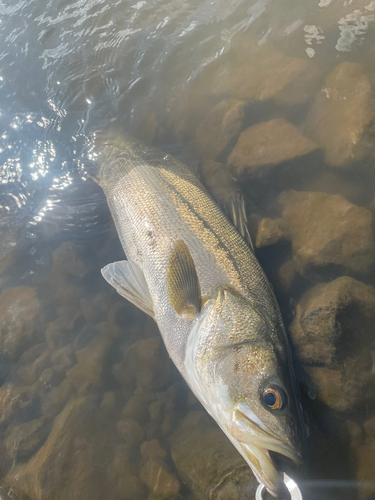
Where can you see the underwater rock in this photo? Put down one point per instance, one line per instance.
(348, 388)
(331, 183)
(86, 375)
(269, 232)
(30, 373)
(208, 463)
(73, 462)
(327, 317)
(108, 401)
(67, 260)
(266, 144)
(152, 449)
(146, 363)
(161, 481)
(137, 406)
(222, 124)
(130, 430)
(18, 308)
(62, 290)
(286, 275)
(365, 469)
(25, 439)
(333, 336)
(17, 401)
(60, 331)
(340, 113)
(219, 180)
(266, 74)
(130, 488)
(63, 358)
(327, 230)
(32, 354)
(8, 246)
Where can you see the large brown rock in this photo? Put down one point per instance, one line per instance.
(158, 477)
(269, 232)
(266, 144)
(333, 336)
(25, 439)
(219, 180)
(327, 230)
(18, 307)
(222, 124)
(208, 463)
(146, 363)
(73, 462)
(340, 113)
(266, 74)
(327, 317)
(17, 401)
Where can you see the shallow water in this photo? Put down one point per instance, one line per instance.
(85, 382)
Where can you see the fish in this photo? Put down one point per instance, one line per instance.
(190, 269)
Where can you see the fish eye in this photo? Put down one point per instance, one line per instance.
(273, 397)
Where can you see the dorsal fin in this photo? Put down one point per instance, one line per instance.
(235, 210)
(182, 282)
(128, 279)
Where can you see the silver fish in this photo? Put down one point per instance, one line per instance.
(190, 269)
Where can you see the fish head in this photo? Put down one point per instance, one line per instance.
(238, 364)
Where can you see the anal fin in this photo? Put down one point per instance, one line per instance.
(128, 279)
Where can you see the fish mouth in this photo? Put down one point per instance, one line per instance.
(258, 446)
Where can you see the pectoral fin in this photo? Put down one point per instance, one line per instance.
(128, 279)
(182, 281)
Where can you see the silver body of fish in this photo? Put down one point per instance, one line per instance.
(191, 270)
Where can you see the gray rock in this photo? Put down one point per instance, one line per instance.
(267, 144)
(9, 246)
(340, 113)
(67, 260)
(208, 463)
(18, 308)
(327, 230)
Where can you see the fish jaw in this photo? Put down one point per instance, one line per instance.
(254, 442)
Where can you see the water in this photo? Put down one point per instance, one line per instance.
(80, 395)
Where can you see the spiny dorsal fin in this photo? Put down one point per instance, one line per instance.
(182, 281)
(128, 279)
(235, 210)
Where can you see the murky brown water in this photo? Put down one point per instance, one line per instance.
(272, 99)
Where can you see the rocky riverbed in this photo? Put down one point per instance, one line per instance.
(91, 406)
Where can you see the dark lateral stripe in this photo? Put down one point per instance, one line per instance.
(221, 244)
